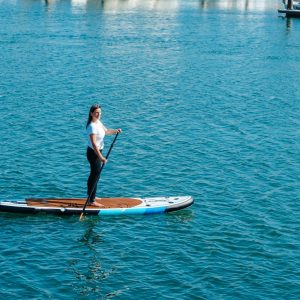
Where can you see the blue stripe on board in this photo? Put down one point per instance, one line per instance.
(133, 211)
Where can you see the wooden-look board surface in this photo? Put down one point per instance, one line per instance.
(79, 202)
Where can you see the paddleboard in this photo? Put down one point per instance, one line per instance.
(110, 206)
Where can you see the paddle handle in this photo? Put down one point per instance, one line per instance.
(96, 182)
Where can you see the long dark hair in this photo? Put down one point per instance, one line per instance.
(92, 109)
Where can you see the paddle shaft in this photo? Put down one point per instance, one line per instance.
(96, 182)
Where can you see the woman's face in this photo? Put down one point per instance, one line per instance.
(96, 114)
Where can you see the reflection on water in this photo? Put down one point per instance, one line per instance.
(184, 216)
(91, 274)
(142, 4)
(94, 274)
(87, 268)
(79, 4)
(90, 237)
(253, 5)
(289, 23)
(120, 5)
(170, 5)
(50, 4)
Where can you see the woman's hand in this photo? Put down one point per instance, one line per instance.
(119, 130)
(103, 159)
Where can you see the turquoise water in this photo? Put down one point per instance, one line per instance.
(207, 94)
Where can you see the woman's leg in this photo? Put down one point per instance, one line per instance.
(95, 165)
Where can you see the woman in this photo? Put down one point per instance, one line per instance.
(96, 132)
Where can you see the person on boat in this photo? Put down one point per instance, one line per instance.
(96, 132)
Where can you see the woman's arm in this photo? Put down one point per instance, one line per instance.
(112, 131)
(97, 151)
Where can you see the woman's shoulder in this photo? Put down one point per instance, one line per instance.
(94, 126)
(91, 127)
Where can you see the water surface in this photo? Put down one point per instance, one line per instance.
(207, 95)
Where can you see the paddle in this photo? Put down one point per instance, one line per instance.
(96, 182)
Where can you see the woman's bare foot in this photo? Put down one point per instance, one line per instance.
(97, 204)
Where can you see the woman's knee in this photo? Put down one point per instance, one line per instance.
(96, 169)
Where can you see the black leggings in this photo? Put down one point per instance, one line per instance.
(95, 164)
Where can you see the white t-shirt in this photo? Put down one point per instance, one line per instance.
(98, 129)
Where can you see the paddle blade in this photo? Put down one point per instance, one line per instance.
(81, 216)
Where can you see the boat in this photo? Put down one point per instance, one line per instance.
(293, 11)
(295, 4)
(110, 206)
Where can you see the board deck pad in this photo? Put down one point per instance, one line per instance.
(79, 202)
